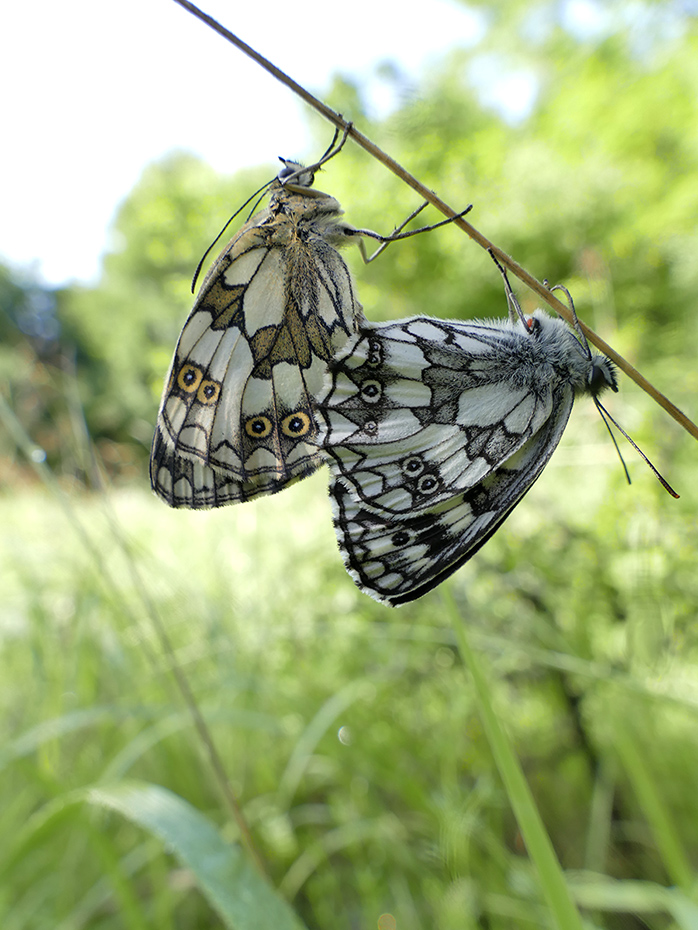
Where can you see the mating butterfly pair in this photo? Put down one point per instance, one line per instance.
(433, 430)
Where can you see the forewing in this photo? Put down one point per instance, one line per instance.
(397, 559)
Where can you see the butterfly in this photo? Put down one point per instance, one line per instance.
(435, 430)
(236, 418)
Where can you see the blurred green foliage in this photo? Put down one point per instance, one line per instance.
(596, 189)
(350, 731)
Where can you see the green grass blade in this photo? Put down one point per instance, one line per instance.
(224, 875)
(600, 893)
(552, 881)
(655, 810)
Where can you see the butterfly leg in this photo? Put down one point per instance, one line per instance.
(396, 235)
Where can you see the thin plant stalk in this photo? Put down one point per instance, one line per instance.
(392, 165)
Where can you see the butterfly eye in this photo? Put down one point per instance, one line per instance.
(602, 375)
(296, 424)
(304, 178)
(258, 427)
(371, 391)
(209, 392)
(189, 378)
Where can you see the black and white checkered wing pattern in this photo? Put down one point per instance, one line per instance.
(236, 418)
(434, 431)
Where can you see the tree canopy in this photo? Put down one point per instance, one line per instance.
(596, 188)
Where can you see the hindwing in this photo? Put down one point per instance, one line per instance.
(399, 557)
(236, 418)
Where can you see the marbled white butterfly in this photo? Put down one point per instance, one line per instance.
(236, 416)
(435, 431)
(236, 419)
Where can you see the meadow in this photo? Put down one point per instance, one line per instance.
(205, 723)
(350, 732)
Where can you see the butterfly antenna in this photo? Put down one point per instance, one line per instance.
(513, 304)
(227, 223)
(606, 416)
(577, 326)
(603, 413)
(333, 149)
(330, 152)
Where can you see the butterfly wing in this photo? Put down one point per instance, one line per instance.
(434, 430)
(418, 411)
(236, 418)
(396, 559)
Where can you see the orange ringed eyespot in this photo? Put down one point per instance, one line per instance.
(209, 392)
(258, 427)
(296, 424)
(189, 378)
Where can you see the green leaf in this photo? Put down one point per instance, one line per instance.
(243, 899)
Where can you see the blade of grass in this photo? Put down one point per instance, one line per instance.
(224, 875)
(233, 887)
(36, 456)
(654, 808)
(600, 893)
(552, 880)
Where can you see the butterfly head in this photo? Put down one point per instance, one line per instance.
(602, 375)
(294, 175)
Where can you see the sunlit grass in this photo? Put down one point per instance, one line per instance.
(349, 731)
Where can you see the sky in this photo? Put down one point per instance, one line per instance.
(93, 91)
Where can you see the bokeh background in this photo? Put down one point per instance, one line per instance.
(349, 730)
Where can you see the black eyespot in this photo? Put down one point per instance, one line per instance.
(189, 378)
(370, 426)
(413, 466)
(209, 392)
(401, 538)
(375, 354)
(371, 391)
(296, 424)
(258, 427)
(427, 484)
